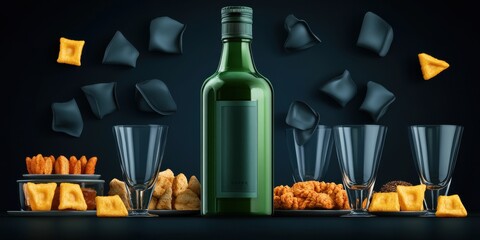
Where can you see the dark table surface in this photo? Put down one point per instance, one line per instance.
(240, 228)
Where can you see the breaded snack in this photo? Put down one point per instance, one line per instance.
(431, 66)
(180, 184)
(194, 185)
(38, 164)
(153, 203)
(167, 173)
(118, 187)
(48, 169)
(83, 164)
(165, 201)
(384, 202)
(187, 200)
(71, 164)
(70, 51)
(61, 165)
(392, 186)
(110, 206)
(71, 197)
(411, 197)
(164, 182)
(90, 166)
(40, 195)
(28, 162)
(310, 195)
(450, 206)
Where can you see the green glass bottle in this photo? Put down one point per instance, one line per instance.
(237, 126)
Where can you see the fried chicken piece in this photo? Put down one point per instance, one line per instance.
(118, 187)
(310, 195)
(187, 200)
(164, 182)
(194, 185)
(180, 184)
(153, 203)
(167, 173)
(165, 201)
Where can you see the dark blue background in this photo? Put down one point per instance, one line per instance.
(32, 80)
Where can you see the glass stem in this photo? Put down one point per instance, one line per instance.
(431, 198)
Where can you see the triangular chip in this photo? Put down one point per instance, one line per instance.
(384, 202)
(450, 206)
(71, 197)
(110, 206)
(431, 66)
(40, 195)
(411, 197)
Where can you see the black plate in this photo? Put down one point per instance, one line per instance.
(311, 213)
(61, 176)
(88, 213)
(400, 214)
(175, 212)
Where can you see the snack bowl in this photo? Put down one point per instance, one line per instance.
(90, 189)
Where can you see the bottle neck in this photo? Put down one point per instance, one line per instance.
(236, 56)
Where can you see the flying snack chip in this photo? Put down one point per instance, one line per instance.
(110, 206)
(70, 51)
(411, 197)
(431, 66)
(450, 206)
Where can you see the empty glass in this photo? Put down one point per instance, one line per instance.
(310, 161)
(140, 150)
(359, 149)
(435, 149)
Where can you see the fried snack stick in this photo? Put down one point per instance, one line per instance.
(61, 165)
(83, 164)
(28, 161)
(90, 166)
(38, 164)
(75, 166)
(48, 169)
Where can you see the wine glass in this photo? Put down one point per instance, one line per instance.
(310, 160)
(359, 149)
(140, 151)
(435, 149)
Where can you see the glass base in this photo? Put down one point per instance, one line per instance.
(358, 214)
(429, 214)
(140, 213)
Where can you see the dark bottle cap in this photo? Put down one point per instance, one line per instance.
(237, 22)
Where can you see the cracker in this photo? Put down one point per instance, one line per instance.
(110, 206)
(71, 197)
(70, 51)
